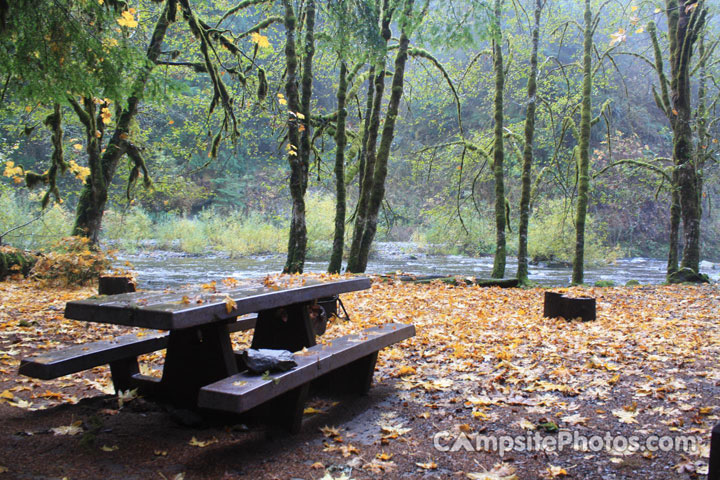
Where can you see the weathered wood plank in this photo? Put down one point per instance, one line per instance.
(167, 311)
(244, 391)
(83, 357)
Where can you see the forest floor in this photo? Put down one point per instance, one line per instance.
(484, 364)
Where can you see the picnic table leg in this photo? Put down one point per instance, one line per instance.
(287, 328)
(355, 377)
(714, 467)
(122, 372)
(287, 410)
(196, 357)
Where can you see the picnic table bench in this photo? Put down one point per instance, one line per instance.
(201, 370)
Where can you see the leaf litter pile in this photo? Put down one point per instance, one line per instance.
(484, 364)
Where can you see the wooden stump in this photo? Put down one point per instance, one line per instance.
(110, 285)
(559, 305)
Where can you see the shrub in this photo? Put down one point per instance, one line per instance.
(551, 236)
(72, 262)
(13, 260)
(127, 229)
(445, 233)
(18, 208)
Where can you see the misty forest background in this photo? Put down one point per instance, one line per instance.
(217, 129)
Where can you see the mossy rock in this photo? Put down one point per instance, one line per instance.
(14, 261)
(688, 275)
(632, 283)
(604, 283)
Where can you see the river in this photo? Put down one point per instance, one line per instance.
(156, 269)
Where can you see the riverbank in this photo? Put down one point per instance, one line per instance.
(484, 363)
(156, 269)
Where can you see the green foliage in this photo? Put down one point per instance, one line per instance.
(444, 233)
(231, 232)
(320, 225)
(126, 229)
(169, 194)
(54, 48)
(15, 261)
(17, 208)
(552, 237)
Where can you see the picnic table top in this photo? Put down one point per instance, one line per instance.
(172, 310)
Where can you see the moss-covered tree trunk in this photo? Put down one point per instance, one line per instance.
(498, 148)
(91, 204)
(388, 133)
(367, 174)
(366, 128)
(298, 145)
(663, 102)
(306, 88)
(522, 270)
(340, 143)
(584, 147)
(675, 219)
(684, 24)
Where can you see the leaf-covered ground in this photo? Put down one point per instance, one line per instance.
(484, 363)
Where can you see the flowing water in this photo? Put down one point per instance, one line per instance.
(159, 269)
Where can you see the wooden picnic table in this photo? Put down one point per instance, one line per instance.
(201, 370)
(199, 348)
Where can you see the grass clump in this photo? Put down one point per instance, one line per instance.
(25, 226)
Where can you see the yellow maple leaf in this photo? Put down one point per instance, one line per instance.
(555, 471)
(230, 304)
(405, 370)
(384, 456)
(261, 40)
(618, 37)
(105, 115)
(127, 19)
(194, 442)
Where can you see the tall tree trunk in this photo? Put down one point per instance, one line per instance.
(675, 218)
(663, 102)
(370, 148)
(366, 128)
(340, 142)
(383, 155)
(297, 243)
(684, 24)
(91, 204)
(498, 149)
(522, 271)
(584, 162)
(306, 89)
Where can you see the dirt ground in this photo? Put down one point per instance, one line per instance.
(484, 364)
